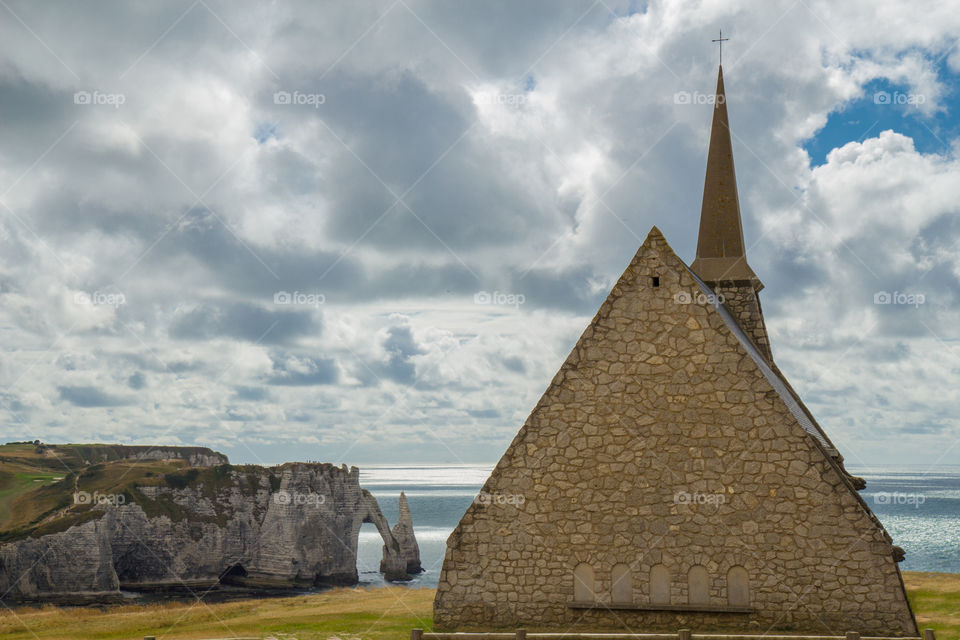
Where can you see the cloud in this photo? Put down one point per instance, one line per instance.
(514, 363)
(303, 371)
(400, 347)
(483, 413)
(519, 148)
(251, 394)
(244, 322)
(90, 397)
(137, 380)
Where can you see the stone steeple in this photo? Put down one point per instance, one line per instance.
(721, 260)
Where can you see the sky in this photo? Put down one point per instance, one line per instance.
(370, 232)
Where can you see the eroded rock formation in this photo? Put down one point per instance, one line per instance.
(292, 525)
(403, 534)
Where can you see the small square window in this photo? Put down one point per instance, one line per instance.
(656, 281)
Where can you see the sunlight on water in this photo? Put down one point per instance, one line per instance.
(920, 508)
(425, 476)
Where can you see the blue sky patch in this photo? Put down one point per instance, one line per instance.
(883, 106)
(265, 131)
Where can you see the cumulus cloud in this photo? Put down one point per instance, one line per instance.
(304, 371)
(279, 229)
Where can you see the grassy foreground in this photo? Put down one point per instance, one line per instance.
(347, 614)
(936, 602)
(342, 614)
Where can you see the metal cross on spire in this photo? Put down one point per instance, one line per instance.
(720, 40)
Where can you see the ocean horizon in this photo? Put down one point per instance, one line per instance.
(919, 506)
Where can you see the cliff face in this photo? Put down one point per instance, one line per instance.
(71, 566)
(195, 456)
(292, 525)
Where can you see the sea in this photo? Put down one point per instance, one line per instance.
(919, 506)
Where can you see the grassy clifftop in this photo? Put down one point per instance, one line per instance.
(38, 481)
(60, 457)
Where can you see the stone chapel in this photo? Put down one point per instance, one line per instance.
(671, 475)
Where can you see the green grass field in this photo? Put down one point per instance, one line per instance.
(37, 483)
(347, 614)
(341, 614)
(16, 482)
(936, 602)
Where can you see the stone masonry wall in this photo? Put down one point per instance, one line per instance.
(744, 304)
(659, 442)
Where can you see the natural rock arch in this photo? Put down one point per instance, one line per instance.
(393, 565)
(319, 511)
